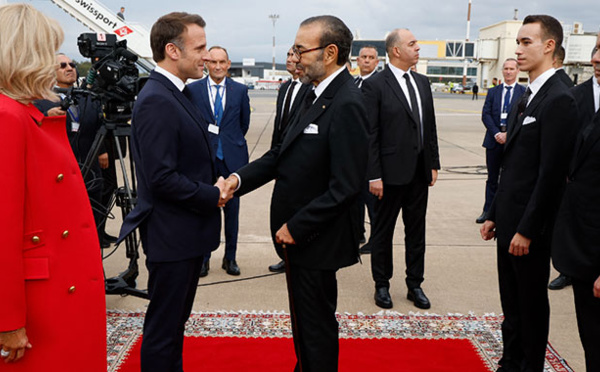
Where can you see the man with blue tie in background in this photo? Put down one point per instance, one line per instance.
(225, 105)
(497, 105)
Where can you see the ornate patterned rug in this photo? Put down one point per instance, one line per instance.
(482, 332)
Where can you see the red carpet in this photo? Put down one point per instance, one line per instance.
(229, 354)
(387, 341)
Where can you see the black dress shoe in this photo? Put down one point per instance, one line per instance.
(363, 240)
(560, 282)
(204, 269)
(383, 298)
(231, 267)
(278, 267)
(482, 217)
(109, 238)
(417, 296)
(365, 249)
(104, 244)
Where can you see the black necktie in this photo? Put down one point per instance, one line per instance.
(523, 101)
(308, 100)
(286, 106)
(414, 105)
(358, 81)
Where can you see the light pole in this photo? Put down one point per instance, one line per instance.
(465, 47)
(274, 18)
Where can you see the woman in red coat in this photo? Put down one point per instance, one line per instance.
(52, 306)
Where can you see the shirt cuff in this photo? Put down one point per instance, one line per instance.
(239, 181)
(375, 180)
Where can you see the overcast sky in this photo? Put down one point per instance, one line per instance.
(244, 28)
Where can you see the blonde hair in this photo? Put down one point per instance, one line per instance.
(28, 44)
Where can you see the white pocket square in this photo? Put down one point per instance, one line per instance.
(311, 129)
(528, 120)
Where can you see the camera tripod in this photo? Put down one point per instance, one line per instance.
(126, 198)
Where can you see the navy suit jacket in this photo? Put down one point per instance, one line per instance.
(492, 109)
(235, 122)
(176, 208)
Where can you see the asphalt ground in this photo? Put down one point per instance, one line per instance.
(460, 268)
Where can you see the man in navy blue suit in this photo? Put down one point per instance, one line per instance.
(225, 105)
(177, 211)
(497, 105)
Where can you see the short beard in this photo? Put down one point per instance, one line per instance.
(316, 72)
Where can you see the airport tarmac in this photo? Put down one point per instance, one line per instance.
(460, 268)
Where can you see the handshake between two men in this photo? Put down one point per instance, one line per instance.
(227, 188)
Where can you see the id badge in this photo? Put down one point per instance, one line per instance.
(213, 128)
(504, 116)
(74, 126)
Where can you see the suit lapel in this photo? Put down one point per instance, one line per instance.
(299, 98)
(588, 104)
(315, 110)
(498, 98)
(391, 80)
(516, 122)
(586, 140)
(191, 109)
(206, 101)
(229, 97)
(281, 97)
(301, 121)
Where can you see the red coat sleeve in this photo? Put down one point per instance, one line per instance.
(13, 134)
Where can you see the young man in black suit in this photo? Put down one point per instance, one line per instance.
(533, 173)
(576, 242)
(403, 163)
(319, 169)
(178, 206)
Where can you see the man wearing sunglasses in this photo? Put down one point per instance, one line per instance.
(319, 168)
(84, 119)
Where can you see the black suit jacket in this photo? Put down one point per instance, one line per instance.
(176, 208)
(320, 170)
(278, 131)
(393, 131)
(564, 77)
(534, 167)
(584, 95)
(576, 242)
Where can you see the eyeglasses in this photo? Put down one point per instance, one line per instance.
(298, 53)
(63, 65)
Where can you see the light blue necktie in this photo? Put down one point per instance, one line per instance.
(218, 116)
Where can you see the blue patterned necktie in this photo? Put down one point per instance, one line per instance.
(218, 116)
